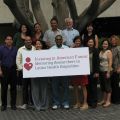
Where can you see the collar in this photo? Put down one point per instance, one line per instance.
(69, 29)
(26, 48)
(56, 30)
(8, 47)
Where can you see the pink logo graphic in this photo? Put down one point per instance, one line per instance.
(28, 65)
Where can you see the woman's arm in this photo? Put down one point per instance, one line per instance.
(96, 41)
(109, 55)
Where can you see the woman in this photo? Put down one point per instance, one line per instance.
(94, 73)
(105, 57)
(40, 87)
(115, 97)
(19, 37)
(90, 34)
(81, 80)
(38, 35)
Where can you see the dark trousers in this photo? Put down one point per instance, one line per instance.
(26, 85)
(115, 97)
(92, 90)
(26, 88)
(9, 77)
(58, 93)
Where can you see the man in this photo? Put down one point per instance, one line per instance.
(115, 97)
(49, 36)
(8, 72)
(70, 33)
(26, 82)
(57, 81)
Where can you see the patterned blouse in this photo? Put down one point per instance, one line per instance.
(116, 57)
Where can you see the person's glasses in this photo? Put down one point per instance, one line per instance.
(8, 39)
(58, 39)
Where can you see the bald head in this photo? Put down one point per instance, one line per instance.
(69, 23)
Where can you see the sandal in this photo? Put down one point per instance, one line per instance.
(77, 106)
(84, 107)
(106, 105)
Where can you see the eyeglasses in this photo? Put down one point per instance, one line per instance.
(58, 39)
(8, 39)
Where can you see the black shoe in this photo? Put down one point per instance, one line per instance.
(13, 107)
(93, 105)
(3, 108)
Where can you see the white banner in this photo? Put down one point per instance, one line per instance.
(56, 62)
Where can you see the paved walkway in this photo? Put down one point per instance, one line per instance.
(100, 113)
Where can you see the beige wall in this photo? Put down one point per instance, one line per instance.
(111, 11)
(7, 17)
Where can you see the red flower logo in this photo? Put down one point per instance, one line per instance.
(28, 65)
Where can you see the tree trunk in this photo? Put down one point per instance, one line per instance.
(39, 16)
(90, 13)
(60, 10)
(72, 9)
(87, 15)
(20, 11)
(104, 4)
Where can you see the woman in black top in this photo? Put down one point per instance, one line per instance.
(94, 73)
(90, 34)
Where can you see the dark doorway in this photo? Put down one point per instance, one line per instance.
(107, 26)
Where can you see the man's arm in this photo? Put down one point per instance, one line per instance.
(19, 60)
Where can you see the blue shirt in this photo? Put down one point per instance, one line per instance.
(69, 35)
(8, 56)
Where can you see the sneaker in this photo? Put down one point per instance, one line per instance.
(24, 107)
(66, 106)
(55, 107)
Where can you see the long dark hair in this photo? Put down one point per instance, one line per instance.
(28, 30)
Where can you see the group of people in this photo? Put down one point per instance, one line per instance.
(104, 66)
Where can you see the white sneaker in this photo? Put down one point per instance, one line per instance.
(66, 106)
(24, 106)
(54, 107)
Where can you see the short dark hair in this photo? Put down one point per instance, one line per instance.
(91, 38)
(54, 19)
(9, 36)
(58, 36)
(37, 24)
(77, 37)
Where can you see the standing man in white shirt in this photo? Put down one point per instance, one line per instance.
(60, 80)
(49, 36)
(70, 33)
(26, 82)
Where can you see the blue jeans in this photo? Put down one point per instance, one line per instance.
(57, 93)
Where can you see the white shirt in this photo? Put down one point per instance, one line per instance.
(62, 47)
(50, 35)
(70, 34)
(19, 56)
